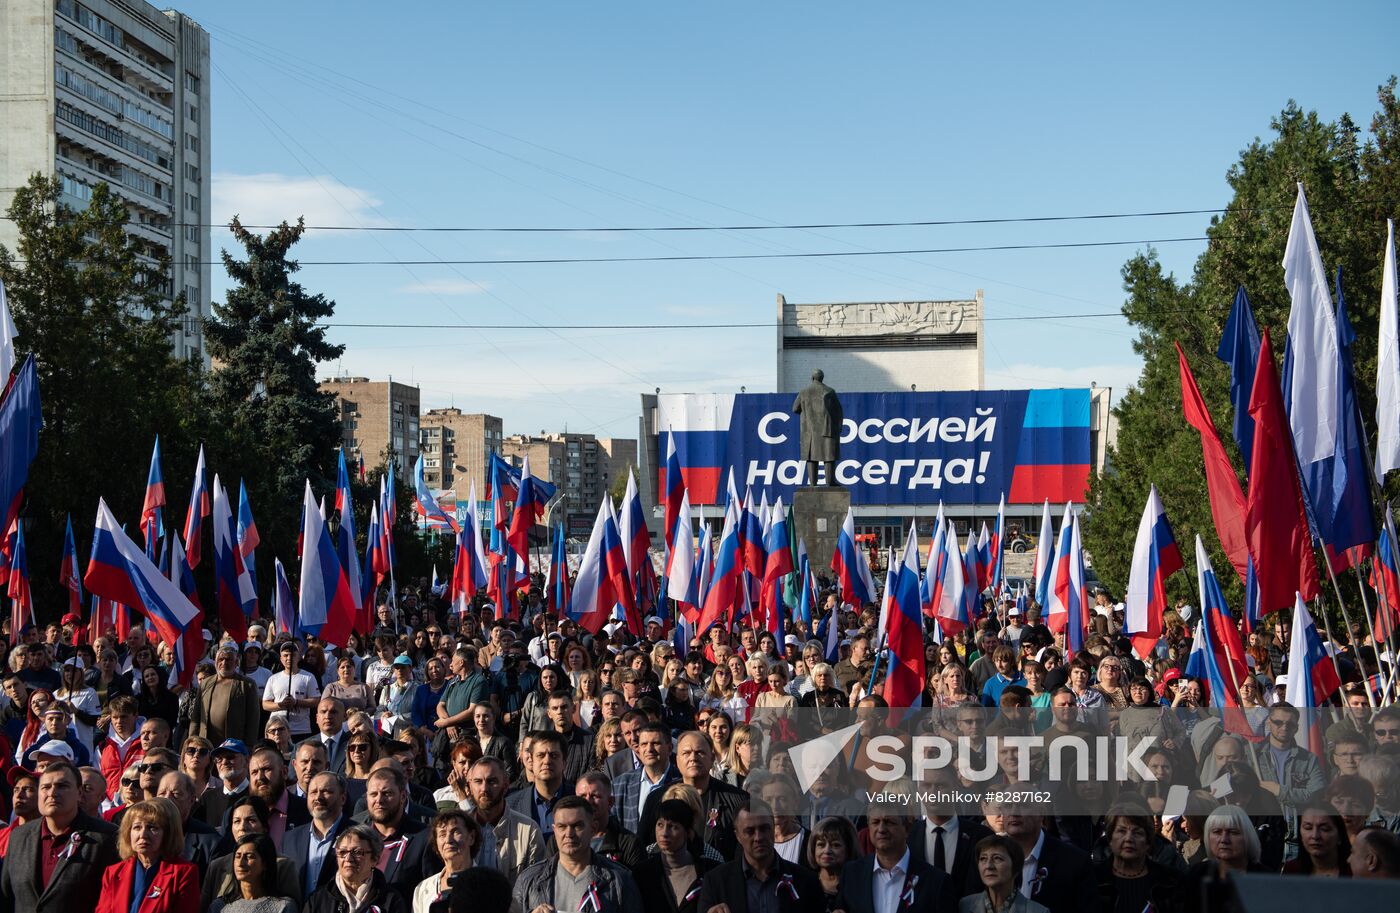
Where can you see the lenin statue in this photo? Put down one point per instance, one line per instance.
(821, 428)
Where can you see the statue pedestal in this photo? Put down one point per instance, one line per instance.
(818, 512)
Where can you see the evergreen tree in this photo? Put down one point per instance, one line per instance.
(1353, 185)
(88, 300)
(266, 340)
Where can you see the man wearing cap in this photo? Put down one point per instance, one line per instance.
(56, 863)
(231, 764)
(292, 690)
(56, 733)
(229, 705)
(252, 663)
(24, 800)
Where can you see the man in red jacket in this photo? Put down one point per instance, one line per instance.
(123, 744)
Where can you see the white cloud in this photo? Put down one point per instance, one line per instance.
(1021, 376)
(445, 287)
(270, 198)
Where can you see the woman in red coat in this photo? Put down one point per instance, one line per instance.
(151, 878)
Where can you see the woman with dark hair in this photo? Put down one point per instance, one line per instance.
(534, 711)
(1129, 879)
(456, 837)
(247, 816)
(679, 712)
(833, 844)
(1326, 846)
(998, 861)
(255, 874)
(668, 880)
(154, 700)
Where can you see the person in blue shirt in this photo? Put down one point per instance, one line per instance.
(1004, 658)
(56, 730)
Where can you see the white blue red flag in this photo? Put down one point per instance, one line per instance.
(673, 486)
(950, 590)
(1385, 580)
(1044, 559)
(557, 587)
(190, 647)
(469, 568)
(154, 500)
(592, 600)
(680, 568)
(234, 594)
(248, 539)
(346, 549)
(851, 567)
(1312, 679)
(197, 512)
(21, 417)
(995, 547)
(704, 566)
(1155, 558)
(327, 607)
(1069, 601)
(725, 573)
(69, 577)
(423, 500)
(1217, 657)
(529, 505)
(118, 570)
(904, 632)
(284, 607)
(929, 593)
(779, 564)
(21, 596)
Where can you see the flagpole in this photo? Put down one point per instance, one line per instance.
(1327, 624)
(1346, 617)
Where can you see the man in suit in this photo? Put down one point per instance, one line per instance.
(267, 777)
(759, 872)
(311, 846)
(695, 758)
(201, 840)
(632, 788)
(406, 860)
(331, 732)
(308, 759)
(894, 879)
(56, 862)
(629, 758)
(536, 800)
(1056, 875)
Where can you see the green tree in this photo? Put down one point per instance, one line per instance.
(266, 340)
(1353, 185)
(89, 302)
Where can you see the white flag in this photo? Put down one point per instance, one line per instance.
(7, 339)
(1315, 394)
(1388, 367)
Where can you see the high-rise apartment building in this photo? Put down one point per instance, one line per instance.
(115, 91)
(580, 464)
(375, 416)
(456, 448)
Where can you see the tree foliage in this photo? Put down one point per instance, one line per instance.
(88, 300)
(1353, 186)
(266, 340)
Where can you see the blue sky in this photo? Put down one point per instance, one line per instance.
(645, 114)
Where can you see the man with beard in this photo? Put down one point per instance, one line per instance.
(406, 859)
(267, 779)
(311, 847)
(508, 837)
(201, 840)
(229, 705)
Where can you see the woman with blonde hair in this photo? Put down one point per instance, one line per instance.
(738, 760)
(586, 694)
(722, 693)
(608, 742)
(150, 843)
(197, 760)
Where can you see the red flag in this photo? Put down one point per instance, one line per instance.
(1227, 504)
(1277, 521)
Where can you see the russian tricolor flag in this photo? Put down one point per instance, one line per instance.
(1312, 680)
(69, 577)
(994, 548)
(904, 632)
(951, 588)
(719, 597)
(328, 608)
(632, 528)
(1385, 579)
(424, 501)
(234, 594)
(196, 513)
(779, 564)
(673, 485)
(1217, 657)
(1069, 601)
(21, 597)
(592, 601)
(469, 569)
(615, 561)
(119, 570)
(20, 420)
(1043, 559)
(284, 609)
(680, 568)
(852, 570)
(1155, 558)
(557, 587)
(153, 502)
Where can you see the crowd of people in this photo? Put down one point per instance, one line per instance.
(450, 763)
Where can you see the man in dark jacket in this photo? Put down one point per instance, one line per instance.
(695, 758)
(922, 887)
(578, 879)
(38, 876)
(782, 886)
(616, 845)
(408, 860)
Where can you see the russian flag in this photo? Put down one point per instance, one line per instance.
(1312, 680)
(557, 588)
(1043, 558)
(470, 567)
(248, 540)
(1068, 598)
(283, 607)
(1155, 558)
(851, 567)
(372, 572)
(929, 592)
(1385, 579)
(615, 560)
(69, 577)
(234, 593)
(21, 597)
(751, 534)
(724, 574)
(328, 608)
(592, 601)
(704, 568)
(423, 501)
(904, 632)
(190, 647)
(20, 420)
(1217, 656)
(680, 567)
(632, 528)
(778, 566)
(807, 601)
(119, 570)
(982, 558)
(829, 633)
(994, 547)
(950, 590)
(346, 549)
(674, 487)
(154, 501)
(196, 513)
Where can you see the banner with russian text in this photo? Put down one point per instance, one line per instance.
(960, 447)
